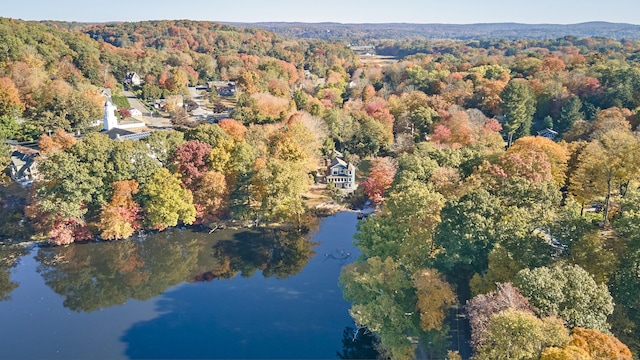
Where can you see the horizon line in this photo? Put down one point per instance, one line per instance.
(334, 22)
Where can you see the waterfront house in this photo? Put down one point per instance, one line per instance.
(341, 174)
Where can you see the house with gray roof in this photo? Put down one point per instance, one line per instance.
(342, 174)
(24, 168)
(548, 133)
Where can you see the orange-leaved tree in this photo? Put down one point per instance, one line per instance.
(119, 218)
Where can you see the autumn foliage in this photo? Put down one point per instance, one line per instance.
(234, 128)
(589, 344)
(120, 218)
(482, 307)
(435, 297)
(190, 160)
(59, 141)
(383, 170)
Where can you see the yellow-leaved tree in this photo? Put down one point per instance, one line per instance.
(167, 201)
(605, 168)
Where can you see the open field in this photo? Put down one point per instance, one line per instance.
(377, 60)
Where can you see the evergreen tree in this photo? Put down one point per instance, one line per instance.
(570, 112)
(519, 105)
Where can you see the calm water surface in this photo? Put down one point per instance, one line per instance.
(182, 294)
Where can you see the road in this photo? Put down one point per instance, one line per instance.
(147, 116)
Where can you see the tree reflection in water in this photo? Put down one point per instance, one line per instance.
(9, 258)
(93, 276)
(358, 344)
(277, 253)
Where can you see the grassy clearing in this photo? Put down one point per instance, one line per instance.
(377, 60)
(120, 101)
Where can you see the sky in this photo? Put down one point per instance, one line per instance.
(344, 11)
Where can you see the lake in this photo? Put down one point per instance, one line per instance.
(182, 294)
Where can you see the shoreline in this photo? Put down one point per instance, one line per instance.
(320, 211)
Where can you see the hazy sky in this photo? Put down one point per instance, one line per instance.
(345, 11)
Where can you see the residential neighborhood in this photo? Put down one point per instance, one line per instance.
(201, 189)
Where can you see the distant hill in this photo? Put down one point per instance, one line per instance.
(401, 31)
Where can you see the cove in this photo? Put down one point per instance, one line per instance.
(184, 295)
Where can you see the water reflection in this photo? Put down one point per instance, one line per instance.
(99, 275)
(95, 276)
(257, 316)
(358, 344)
(9, 257)
(279, 254)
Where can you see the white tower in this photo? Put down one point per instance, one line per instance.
(110, 120)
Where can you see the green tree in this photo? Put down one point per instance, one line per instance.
(162, 144)
(209, 134)
(467, 233)
(151, 92)
(9, 128)
(414, 210)
(518, 107)
(383, 300)
(66, 187)
(300, 98)
(569, 292)
(277, 186)
(5, 154)
(569, 114)
(167, 202)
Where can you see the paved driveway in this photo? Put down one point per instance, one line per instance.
(147, 116)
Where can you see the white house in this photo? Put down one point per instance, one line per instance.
(132, 79)
(135, 112)
(342, 174)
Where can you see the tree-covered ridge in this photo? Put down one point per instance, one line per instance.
(367, 33)
(215, 39)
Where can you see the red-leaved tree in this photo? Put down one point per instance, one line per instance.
(124, 113)
(190, 160)
(383, 170)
